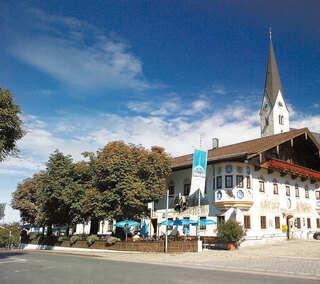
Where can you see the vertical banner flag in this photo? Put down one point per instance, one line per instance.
(199, 169)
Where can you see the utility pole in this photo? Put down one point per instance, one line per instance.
(166, 242)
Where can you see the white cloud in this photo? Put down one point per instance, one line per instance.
(74, 52)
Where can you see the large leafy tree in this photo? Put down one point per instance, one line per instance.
(10, 124)
(59, 191)
(125, 179)
(24, 199)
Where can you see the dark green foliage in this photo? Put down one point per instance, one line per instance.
(125, 179)
(10, 124)
(24, 199)
(316, 235)
(230, 232)
(15, 235)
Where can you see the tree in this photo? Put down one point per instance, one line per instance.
(61, 189)
(2, 209)
(24, 199)
(125, 179)
(10, 124)
(5, 235)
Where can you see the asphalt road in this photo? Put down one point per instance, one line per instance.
(49, 268)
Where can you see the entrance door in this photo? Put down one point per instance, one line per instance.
(154, 225)
(290, 227)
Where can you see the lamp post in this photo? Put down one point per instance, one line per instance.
(167, 205)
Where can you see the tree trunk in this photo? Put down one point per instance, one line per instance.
(94, 225)
(67, 232)
(49, 232)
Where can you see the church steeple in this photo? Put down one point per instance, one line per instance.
(272, 84)
(274, 114)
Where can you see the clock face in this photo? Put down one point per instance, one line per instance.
(266, 106)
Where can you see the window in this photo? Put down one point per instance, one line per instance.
(247, 223)
(219, 182)
(275, 188)
(297, 190)
(171, 190)
(239, 181)
(261, 185)
(266, 121)
(214, 183)
(203, 227)
(263, 222)
(229, 181)
(281, 119)
(318, 223)
(186, 189)
(220, 220)
(288, 190)
(318, 195)
(277, 222)
(170, 227)
(306, 192)
(248, 182)
(298, 223)
(309, 223)
(110, 225)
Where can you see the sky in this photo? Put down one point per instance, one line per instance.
(86, 73)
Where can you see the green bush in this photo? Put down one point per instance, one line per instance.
(62, 238)
(73, 239)
(316, 235)
(34, 235)
(112, 240)
(91, 239)
(230, 232)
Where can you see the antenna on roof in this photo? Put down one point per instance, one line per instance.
(270, 32)
(200, 141)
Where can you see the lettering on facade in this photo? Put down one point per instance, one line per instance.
(270, 205)
(204, 210)
(304, 208)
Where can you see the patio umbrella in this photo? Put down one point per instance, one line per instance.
(186, 231)
(126, 224)
(204, 222)
(144, 230)
(183, 222)
(170, 223)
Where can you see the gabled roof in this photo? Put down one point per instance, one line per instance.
(244, 150)
(272, 82)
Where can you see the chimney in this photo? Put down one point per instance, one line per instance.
(215, 143)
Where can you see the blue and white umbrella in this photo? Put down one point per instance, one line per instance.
(144, 230)
(183, 222)
(170, 223)
(204, 222)
(126, 224)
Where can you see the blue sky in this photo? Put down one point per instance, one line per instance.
(150, 72)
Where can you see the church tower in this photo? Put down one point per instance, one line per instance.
(274, 114)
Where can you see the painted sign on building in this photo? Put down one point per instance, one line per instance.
(199, 169)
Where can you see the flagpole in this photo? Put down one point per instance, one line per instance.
(198, 232)
(166, 242)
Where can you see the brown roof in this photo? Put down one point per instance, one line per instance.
(243, 149)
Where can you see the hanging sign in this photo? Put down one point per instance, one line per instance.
(199, 169)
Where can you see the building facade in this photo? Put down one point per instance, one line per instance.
(270, 185)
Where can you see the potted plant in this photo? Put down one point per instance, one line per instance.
(230, 233)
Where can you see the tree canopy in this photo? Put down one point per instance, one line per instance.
(116, 183)
(10, 124)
